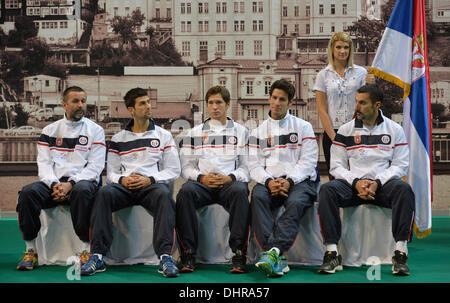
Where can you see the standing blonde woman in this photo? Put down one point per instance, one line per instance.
(336, 87)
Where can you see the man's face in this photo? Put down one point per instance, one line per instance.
(217, 107)
(75, 105)
(142, 108)
(366, 110)
(279, 104)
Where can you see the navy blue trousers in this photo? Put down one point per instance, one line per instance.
(156, 198)
(395, 194)
(282, 232)
(37, 196)
(232, 196)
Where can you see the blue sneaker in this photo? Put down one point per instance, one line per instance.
(270, 264)
(93, 265)
(284, 266)
(167, 267)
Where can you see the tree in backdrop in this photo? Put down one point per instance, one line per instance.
(129, 53)
(127, 27)
(21, 117)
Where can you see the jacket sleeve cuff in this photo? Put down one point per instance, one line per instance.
(354, 182)
(233, 177)
(266, 184)
(379, 184)
(199, 177)
(291, 182)
(152, 180)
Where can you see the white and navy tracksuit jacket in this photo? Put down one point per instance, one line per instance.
(214, 149)
(75, 150)
(151, 154)
(380, 154)
(67, 152)
(284, 148)
(205, 149)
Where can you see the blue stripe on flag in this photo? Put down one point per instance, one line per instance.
(403, 11)
(419, 110)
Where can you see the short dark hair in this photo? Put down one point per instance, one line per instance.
(71, 89)
(285, 86)
(223, 91)
(374, 91)
(131, 96)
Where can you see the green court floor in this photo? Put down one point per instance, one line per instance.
(428, 260)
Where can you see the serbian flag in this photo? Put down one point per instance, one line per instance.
(402, 58)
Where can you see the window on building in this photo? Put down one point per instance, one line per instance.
(333, 9)
(333, 27)
(221, 47)
(188, 26)
(308, 29)
(239, 48)
(308, 11)
(255, 25)
(116, 11)
(252, 114)
(257, 48)
(260, 7)
(204, 51)
(206, 26)
(200, 26)
(267, 85)
(320, 9)
(12, 3)
(285, 29)
(242, 26)
(157, 13)
(249, 87)
(296, 11)
(188, 8)
(285, 11)
(261, 25)
(168, 13)
(182, 8)
(254, 6)
(320, 27)
(186, 48)
(344, 9)
(297, 28)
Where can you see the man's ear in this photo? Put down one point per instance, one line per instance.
(130, 109)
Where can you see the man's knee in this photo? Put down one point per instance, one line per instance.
(84, 187)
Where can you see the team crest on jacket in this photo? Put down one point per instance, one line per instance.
(154, 143)
(59, 141)
(205, 139)
(83, 140)
(270, 141)
(357, 138)
(385, 139)
(293, 138)
(232, 140)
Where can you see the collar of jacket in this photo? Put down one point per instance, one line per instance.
(206, 125)
(380, 119)
(151, 125)
(71, 123)
(281, 121)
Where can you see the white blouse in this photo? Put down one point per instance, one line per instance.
(340, 91)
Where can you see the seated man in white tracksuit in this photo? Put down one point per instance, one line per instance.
(71, 158)
(214, 161)
(369, 156)
(283, 155)
(142, 160)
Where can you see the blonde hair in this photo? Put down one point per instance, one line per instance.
(344, 37)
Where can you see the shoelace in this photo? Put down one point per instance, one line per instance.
(29, 256)
(84, 256)
(273, 256)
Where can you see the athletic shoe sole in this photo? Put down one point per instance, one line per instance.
(399, 273)
(267, 269)
(337, 268)
(169, 275)
(96, 271)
